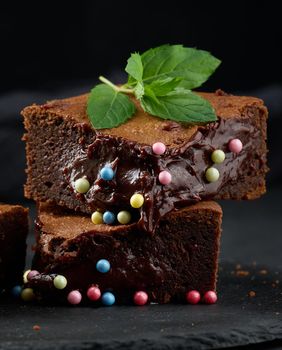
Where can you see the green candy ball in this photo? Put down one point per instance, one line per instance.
(60, 282)
(82, 185)
(124, 217)
(212, 174)
(218, 156)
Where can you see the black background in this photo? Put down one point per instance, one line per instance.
(46, 44)
(58, 49)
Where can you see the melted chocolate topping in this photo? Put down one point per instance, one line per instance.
(137, 167)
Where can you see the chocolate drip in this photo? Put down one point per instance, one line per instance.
(137, 167)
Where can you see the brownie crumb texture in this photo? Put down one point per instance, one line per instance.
(118, 265)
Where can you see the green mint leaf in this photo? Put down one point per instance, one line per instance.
(175, 61)
(135, 67)
(162, 87)
(149, 93)
(139, 90)
(180, 105)
(108, 108)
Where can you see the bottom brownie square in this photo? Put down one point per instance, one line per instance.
(181, 256)
(13, 233)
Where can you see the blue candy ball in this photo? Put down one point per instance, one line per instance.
(107, 173)
(103, 266)
(16, 291)
(108, 217)
(108, 299)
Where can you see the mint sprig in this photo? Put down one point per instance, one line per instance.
(162, 79)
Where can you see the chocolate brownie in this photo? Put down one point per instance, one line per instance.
(181, 256)
(63, 147)
(13, 233)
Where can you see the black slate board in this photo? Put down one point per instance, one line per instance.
(237, 319)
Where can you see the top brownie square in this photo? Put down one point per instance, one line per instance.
(63, 147)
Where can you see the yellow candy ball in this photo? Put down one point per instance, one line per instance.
(218, 156)
(124, 217)
(82, 185)
(27, 294)
(97, 218)
(25, 276)
(137, 200)
(212, 174)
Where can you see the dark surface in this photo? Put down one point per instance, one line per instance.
(237, 319)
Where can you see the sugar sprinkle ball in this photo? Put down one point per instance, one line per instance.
(60, 282)
(82, 185)
(25, 276)
(193, 297)
(212, 174)
(137, 200)
(93, 293)
(74, 297)
(218, 156)
(165, 177)
(235, 146)
(140, 298)
(107, 173)
(108, 299)
(97, 218)
(124, 217)
(210, 297)
(16, 291)
(109, 217)
(27, 294)
(159, 148)
(31, 274)
(103, 266)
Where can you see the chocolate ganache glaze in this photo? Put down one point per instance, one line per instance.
(136, 169)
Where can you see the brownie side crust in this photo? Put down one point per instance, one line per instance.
(181, 256)
(13, 233)
(62, 147)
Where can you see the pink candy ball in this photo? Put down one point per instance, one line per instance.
(140, 298)
(159, 148)
(31, 274)
(193, 297)
(74, 297)
(165, 177)
(235, 146)
(93, 293)
(210, 297)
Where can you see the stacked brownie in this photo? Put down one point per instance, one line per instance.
(13, 233)
(125, 214)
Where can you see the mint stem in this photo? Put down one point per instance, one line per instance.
(115, 87)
